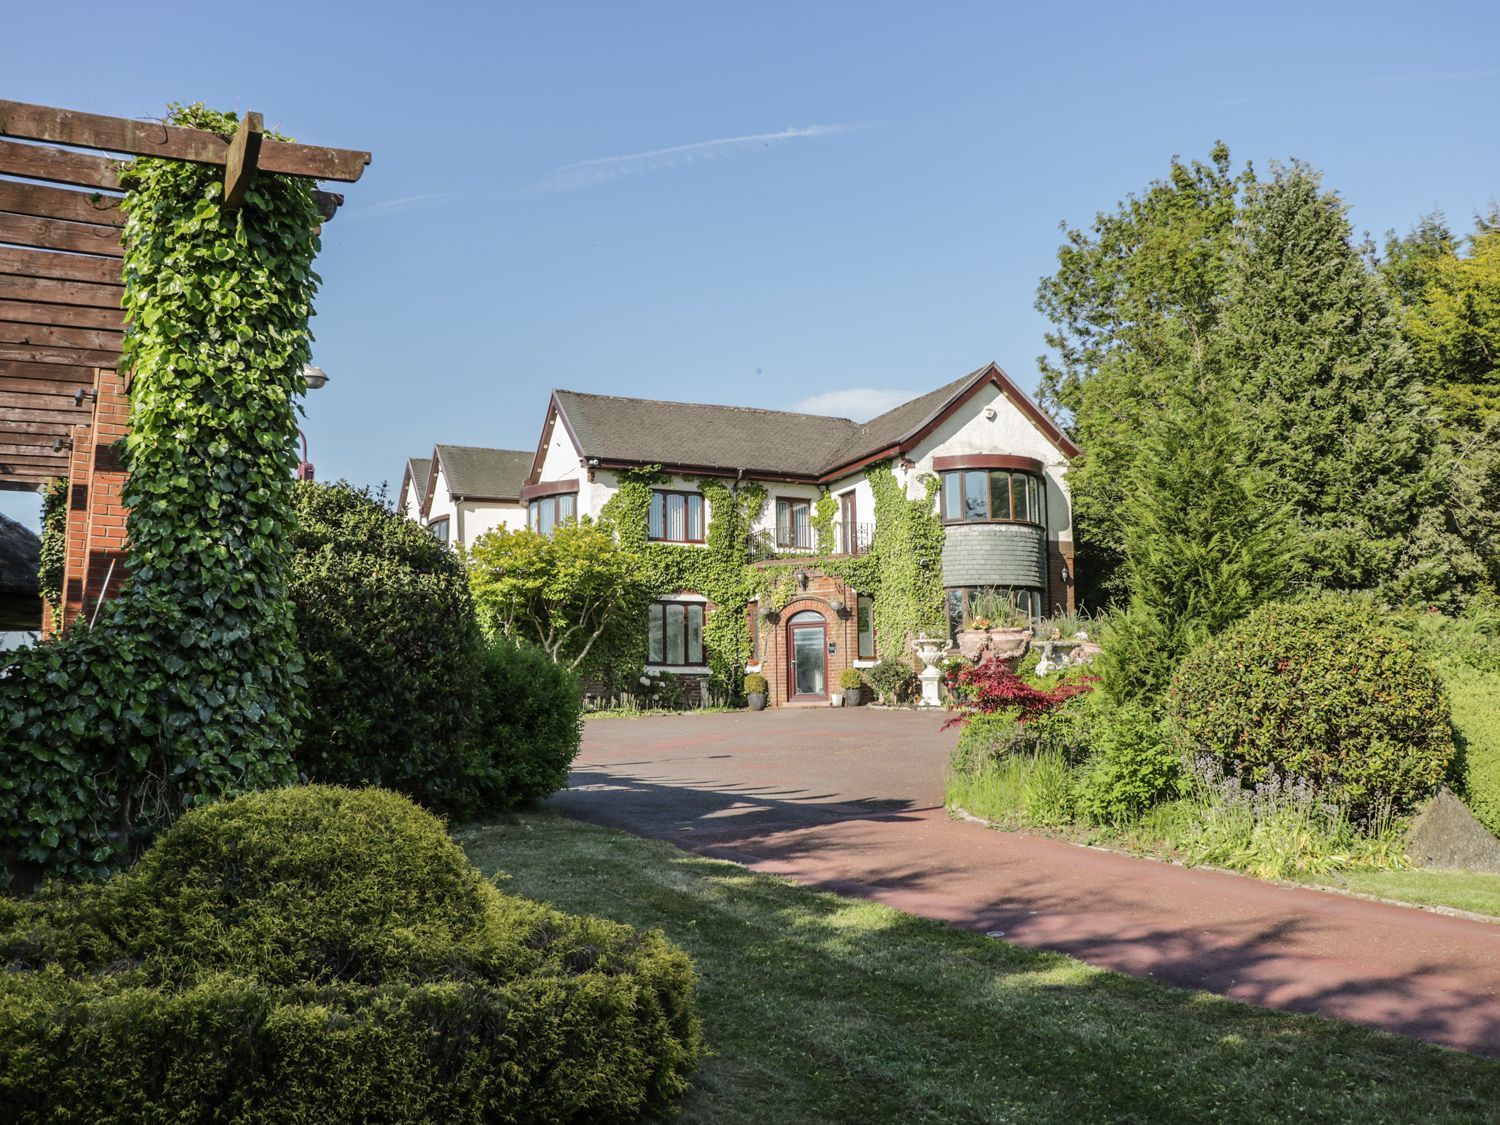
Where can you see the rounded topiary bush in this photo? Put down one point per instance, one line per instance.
(326, 954)
(391, 645)
(1319, 690)
(528, 724)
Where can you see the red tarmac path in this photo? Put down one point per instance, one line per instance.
(851, 800)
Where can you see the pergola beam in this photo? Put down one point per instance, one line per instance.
(148, 138)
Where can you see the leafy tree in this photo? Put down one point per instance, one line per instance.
(577, 594)
(1338, 415)
(1451, 318)
(1205, 540)
(1263, 277)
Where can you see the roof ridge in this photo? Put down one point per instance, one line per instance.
(476, 448)
(712, 405)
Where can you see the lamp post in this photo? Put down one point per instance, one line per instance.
(316, 378)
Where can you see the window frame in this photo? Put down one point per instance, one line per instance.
(446, 538)
(662, 605)
(1036, 595)
(864, 606)
(792, 503)
(1036, 514)
(688, 497)
(534, 508)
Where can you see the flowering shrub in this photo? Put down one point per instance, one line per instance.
(984, 689)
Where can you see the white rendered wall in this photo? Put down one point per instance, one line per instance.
(478, 516)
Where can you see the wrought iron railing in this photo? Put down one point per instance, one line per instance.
(789, 540)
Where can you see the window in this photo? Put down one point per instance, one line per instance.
(865, 617)
(794, 525)
(438, 529)
(676, 633)
(990, 495)
(676, 517)
(961, 603)
(545, 514)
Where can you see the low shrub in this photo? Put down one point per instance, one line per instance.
(330, 955)
(1322, 691)
(895, 681)
(755, 684)
(528, 726)
(991, 686)
(1134, 767)
(851, 680)
(391, 646)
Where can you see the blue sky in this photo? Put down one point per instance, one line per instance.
(756, 203)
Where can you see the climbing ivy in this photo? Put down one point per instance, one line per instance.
(53, 563)
(188, 690)
(717, 570)
(902, 570)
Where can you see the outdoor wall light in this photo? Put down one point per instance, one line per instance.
(316, 377)
(85, 393)
(62, 443)
(802, 577)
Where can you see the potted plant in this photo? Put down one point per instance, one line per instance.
(854, 687)
(755, 691)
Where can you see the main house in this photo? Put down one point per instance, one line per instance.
(854, 537)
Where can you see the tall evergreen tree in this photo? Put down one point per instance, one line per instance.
(1133, 299)
(1338, 415)
(1206, 540)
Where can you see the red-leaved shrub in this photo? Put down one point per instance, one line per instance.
(990, 687)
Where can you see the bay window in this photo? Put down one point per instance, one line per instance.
(991, 496)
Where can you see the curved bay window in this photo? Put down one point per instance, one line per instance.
(992, 496)
(675, 633)
(543, 515)
(962, 601)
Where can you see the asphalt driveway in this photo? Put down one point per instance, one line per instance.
(852, 800)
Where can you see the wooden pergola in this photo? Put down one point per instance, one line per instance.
(60, 256)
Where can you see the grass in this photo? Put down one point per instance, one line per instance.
(822, 1008)
(1460, 890)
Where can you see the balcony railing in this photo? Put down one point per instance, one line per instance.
(789, 540)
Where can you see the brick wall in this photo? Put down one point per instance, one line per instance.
(841, 631)
(1061, 594)
(95, 556)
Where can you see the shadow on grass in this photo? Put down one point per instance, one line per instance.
(825, 1008)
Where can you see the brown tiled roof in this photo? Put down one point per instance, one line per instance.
(416, 470)
(695, 435)
(483, 474)
(646, 431)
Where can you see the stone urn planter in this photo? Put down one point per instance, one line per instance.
(978, 645)
(755, 700)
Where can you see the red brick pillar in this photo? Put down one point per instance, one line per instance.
(96, 513)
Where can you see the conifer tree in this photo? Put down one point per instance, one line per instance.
(1338, 416)
(1206, 540)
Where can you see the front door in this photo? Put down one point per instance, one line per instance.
(807, 641)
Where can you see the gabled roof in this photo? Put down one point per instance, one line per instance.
(416, 473)
(476, 473)
(614, 431)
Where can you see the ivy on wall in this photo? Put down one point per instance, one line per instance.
(53, 563)
(902, 571)
(188, 690)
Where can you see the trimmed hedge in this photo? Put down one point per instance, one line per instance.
(528, 725)
(390, 644)
(324, 954)
(1320, 690)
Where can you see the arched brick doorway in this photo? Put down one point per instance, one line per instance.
(807, 657)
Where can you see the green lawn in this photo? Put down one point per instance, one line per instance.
(821, 1008)
(1462, 890)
